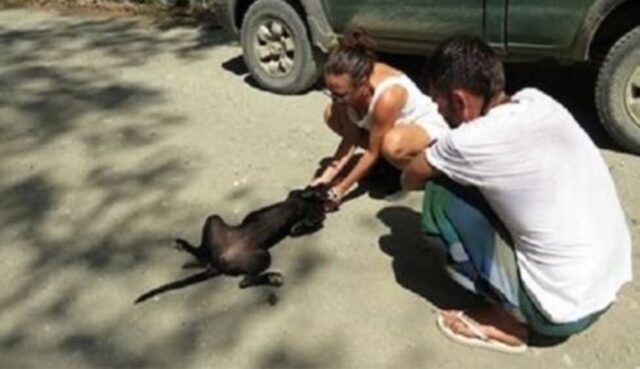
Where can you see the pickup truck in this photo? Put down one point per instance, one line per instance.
(284, 41)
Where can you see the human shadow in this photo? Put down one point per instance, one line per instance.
(418, 263)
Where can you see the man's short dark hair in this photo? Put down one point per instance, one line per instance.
(468, 63)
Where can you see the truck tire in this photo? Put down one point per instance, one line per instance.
(618, 91)
(277, 49)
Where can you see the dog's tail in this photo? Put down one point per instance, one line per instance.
(196, 278)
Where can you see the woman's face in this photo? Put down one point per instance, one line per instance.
(342, 89)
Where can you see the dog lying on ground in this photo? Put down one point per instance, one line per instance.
(244, 249)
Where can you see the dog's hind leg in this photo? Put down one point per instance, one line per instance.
(184, 245)
(196, 278)
(260, 261)
(214, 233)
(196, 252)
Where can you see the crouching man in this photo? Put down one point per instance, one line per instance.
(524, 203)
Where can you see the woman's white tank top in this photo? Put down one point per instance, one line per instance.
(419, 108)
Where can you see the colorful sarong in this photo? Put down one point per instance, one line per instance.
(480, 254)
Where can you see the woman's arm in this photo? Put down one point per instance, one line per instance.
(343, 153)
(385, 114)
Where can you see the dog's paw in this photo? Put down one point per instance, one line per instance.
(178, 244)
(276, 279)
(273, 279)
(244, 283)
(193, 265)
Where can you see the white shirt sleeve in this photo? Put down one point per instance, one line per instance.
(445, 156)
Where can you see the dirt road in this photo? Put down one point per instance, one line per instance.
(116, 136)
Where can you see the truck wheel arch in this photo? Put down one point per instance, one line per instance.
(320, 31)
(600, 16)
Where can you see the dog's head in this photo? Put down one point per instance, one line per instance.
(315, 194)
(312, 200)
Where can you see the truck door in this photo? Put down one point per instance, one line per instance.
(414, 21)
(544, 26)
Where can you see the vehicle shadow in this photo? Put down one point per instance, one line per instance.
(573, 86)
(238, 67)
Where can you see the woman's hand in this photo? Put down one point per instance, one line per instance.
(318, 181)
(335, 195)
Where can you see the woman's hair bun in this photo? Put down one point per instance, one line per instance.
(359, 40)
(354, 55)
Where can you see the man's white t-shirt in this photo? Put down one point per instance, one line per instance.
(548, 183)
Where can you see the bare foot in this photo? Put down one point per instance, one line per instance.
(493, 321)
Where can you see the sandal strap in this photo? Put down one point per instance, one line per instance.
(472, 325)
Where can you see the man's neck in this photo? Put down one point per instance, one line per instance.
(502, 98)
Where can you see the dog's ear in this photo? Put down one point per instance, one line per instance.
(295, 193)
(319, 193)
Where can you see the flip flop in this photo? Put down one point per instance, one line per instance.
(479, 339)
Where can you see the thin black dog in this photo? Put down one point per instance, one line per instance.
(244, 249)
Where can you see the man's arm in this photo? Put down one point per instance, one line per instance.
(417, 173)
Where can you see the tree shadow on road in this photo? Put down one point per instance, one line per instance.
(80, 241)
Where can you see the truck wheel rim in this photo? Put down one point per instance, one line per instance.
(632, 96)
(275, 48)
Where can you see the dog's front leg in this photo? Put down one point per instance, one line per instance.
(305, 227)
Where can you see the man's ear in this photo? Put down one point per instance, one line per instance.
(459, 102)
